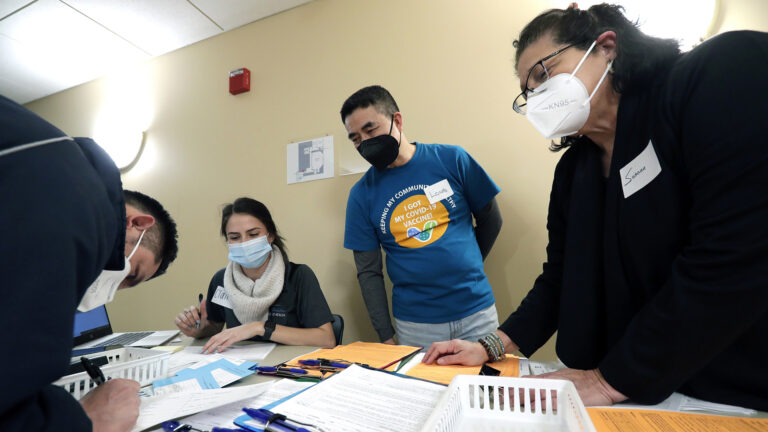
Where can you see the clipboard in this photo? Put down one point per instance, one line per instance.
(376, 355)
(248, 423)
(245, 421)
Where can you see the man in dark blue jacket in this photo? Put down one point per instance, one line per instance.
(69, 236)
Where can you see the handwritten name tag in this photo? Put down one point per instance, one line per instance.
(438, 191)
(641, 171)
(221, 298)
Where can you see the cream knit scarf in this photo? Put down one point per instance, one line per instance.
(251, 299)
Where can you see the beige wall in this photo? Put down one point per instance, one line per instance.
(448, 64)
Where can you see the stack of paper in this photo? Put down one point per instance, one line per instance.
(214, 372)
(692, 404)
(225, 415)
(193, 354)
(361, 399)
(157, 409)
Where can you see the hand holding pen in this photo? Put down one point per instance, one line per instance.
(113, 405)
(194, 319)
(93, 370)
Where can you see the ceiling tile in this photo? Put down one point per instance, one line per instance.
(155, 26)
(235, 13)
(49, 42)
(9, 6)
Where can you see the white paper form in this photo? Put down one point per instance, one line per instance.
(157, 409)
(362, 399)
(530, 367)
(681, 403)
(223, 416)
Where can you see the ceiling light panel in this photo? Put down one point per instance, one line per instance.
(53, 41)
(19, 81)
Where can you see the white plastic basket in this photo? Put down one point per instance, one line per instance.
(139, 364)
(488, 403)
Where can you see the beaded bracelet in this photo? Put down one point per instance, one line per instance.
(487, 348)
(493, 346)
(499, 344)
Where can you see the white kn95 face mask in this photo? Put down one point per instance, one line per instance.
(560, 106)
(103, 289)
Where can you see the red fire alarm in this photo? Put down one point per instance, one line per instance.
(239, 81)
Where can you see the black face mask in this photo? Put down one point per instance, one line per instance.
(380, 151)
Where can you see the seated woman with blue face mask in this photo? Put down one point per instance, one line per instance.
(260, 295)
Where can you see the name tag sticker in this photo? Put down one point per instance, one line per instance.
(641, 171)
(221, 298)
(438, 191)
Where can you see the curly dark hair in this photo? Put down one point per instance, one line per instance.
(638, 55)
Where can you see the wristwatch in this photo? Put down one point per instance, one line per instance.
(269, 327)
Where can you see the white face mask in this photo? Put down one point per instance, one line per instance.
(103, 289)
(560, 106)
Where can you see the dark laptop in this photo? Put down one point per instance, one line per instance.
(93, 330)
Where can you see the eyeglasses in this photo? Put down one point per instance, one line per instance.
(536, 77)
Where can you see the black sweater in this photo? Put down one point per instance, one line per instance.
(667, 290)
(62, 220)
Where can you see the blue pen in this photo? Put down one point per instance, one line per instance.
(274, 369)
(324, 362)
(174, 426)
(273, 422)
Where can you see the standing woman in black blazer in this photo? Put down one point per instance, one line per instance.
(656, 277)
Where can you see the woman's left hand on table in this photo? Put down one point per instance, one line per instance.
(221, 341)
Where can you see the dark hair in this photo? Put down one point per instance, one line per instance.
(638, 55)
(375, 95)
(160, 238)
(258, 210)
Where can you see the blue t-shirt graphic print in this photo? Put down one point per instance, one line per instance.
(433, 258)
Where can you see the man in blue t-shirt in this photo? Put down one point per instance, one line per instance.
(417, 201)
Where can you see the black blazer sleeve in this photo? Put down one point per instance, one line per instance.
(59, 230)
(716, 105)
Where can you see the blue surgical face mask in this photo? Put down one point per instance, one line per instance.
(250, 254)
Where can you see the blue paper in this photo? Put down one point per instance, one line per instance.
(203, 374)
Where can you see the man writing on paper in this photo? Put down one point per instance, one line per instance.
(69, 238)
(417, 201)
